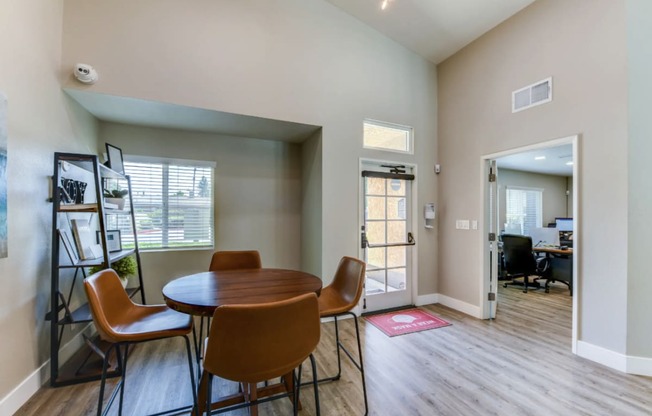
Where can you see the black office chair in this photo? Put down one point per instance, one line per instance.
(561, 270)
(521, 262)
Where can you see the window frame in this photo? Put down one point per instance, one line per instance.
(408, 129)
(538, 209)
(165, 195)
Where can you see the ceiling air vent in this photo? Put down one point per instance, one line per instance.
(535, 94)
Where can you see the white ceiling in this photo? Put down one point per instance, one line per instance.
(434, 29)
(553, 164)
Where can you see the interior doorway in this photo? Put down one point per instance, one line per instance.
(564, 153)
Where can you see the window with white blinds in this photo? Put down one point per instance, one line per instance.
(173, 202)
(523, 210)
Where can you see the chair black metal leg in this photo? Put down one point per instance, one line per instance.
(124, 376)
(209, 395)
(361, 364)
(297, 389)
(192, 375)
(315, 383)
(103, 380)
(357, 363)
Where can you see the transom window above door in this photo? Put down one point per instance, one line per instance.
(387, 136)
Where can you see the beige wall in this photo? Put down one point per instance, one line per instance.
(639, 24)
(296, 60)
(41, 120)
(257, 197)
(555, 200)
(582, 45)
(311, 204)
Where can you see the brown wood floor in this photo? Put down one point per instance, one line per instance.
(518, 364)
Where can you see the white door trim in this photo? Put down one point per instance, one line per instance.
(574, 141)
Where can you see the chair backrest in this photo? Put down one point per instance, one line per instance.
(234, 260)
(349, 280)
(518, 254)
(109, 303)
(253, 343)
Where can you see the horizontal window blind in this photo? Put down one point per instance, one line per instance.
(524, 210)
(173, 203)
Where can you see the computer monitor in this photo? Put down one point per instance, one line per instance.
(564, 224)
(542, 237)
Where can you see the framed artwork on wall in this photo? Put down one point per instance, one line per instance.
(3, 176)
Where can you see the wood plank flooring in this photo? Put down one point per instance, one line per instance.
(518, 364)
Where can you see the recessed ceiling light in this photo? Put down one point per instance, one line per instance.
(539, 158)
(570, 163)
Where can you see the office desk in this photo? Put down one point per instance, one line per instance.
(561, 265)
(553, 250)
(200, 294)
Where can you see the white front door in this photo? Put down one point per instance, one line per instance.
(387, 236)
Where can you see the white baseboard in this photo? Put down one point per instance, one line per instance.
(30, 385)
(627, 364)
(602, 356)
(458, 305)
(427, 299)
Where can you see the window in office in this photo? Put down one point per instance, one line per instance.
(173, 203)
(523, 210)
(387, 136)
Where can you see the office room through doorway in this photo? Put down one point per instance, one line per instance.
(526, 191)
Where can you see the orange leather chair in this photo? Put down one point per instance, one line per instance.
(254, 343)
(338, 299)
(122, 322)
(234, 260)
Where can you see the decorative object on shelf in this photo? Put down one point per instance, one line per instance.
(124, 267)
(114, 154)
(64, 198)
(83, 238)
(115, 197)
(81, 189)
(113, 240)
(71, 188)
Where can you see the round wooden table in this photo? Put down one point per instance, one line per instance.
(201, 293)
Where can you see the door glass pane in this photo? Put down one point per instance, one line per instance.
(375, 209)
(396, 208)
(375, 258)
(396, 187)
(376, 232)
(396, 279)
(375, 186)
(395, 256)
(396, 232)
(375, 282)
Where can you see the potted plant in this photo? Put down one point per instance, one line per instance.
(115, 197)
(124, 267)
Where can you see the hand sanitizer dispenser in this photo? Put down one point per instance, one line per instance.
(429, 214)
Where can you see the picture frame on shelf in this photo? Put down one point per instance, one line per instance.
(115, 161)
(113, 240)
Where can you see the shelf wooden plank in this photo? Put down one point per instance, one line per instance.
(99, 261)
(78, 208)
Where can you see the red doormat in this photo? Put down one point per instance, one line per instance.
(406, 321)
